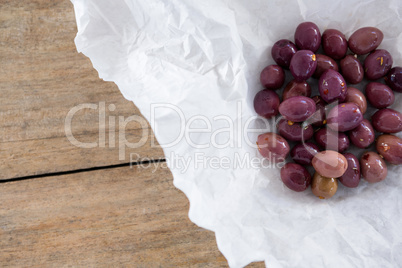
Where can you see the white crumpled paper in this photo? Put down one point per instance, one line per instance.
(203, 58)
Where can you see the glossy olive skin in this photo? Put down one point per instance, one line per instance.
(330, 164)
(323, 187)
(394, 79)
(297, 109)
(377, 64)
(351, 177)
(282, 52)
(332, 86)
(344, 117)
(303, 65)
(308, 36)
(365, 40)
(294, 88)
(356, 96)
(294, 131)
(363, 135)
(318, 119)
(324, 63)
(272, 77)
(331, 140)
(352, 70)
(390, 147)
(373, 167)
(334, 44)
(379, 95)
(295, 177)
(303, 153)
(387, 120)
(273, 147)
(266, 103)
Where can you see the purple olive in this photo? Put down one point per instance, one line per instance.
(352, 69)
(365, 40)
(356, 96)
(334, 44)
(294, 88)
(390, 147)
(351, 177)
(394, 79)
(303, 65)
(266, 103)
(318, 118)
(332, 86)
(303, 153)
(273, 147)
(272, 77)
(308, 36)
(373, 167)
(295, 177)
(363, 135)
(344, 117)
(282, 52)
(294, 131)
(324, 63)
(297, 109)
(379, 95)
(387, 120)
(331, 140)
(377, 64)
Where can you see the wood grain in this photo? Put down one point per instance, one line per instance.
(42, 77)
(124, 217)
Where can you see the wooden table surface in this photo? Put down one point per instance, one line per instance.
(61, 205)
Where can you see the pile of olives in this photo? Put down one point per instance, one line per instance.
(334, 119)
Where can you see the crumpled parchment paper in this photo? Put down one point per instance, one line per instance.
(190, 64)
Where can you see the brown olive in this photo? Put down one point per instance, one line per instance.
(373, 167)
(324, 187)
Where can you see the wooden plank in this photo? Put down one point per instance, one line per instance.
(129, 217)
(42, 77)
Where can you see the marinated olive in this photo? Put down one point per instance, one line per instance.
(394, 79)
(323, 187)
(283, 51)
(272, 77)
(379, 95)
(266, 103)
(387, 120)
(352, 69)
(363, 135)
(273, 147)
(356, 96)
(295, 177)
(303, 65)
(332, 86)
(377, 64)
(351, 177)
(344, 117)
(334, 43)
(294, 88)
(373, 167)
(303, 153)
(308, 36)
(390, 147)
(324, 63)
(331, 140)
(365, 40)
(297, 109)
(294, 131)
(330, 164)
